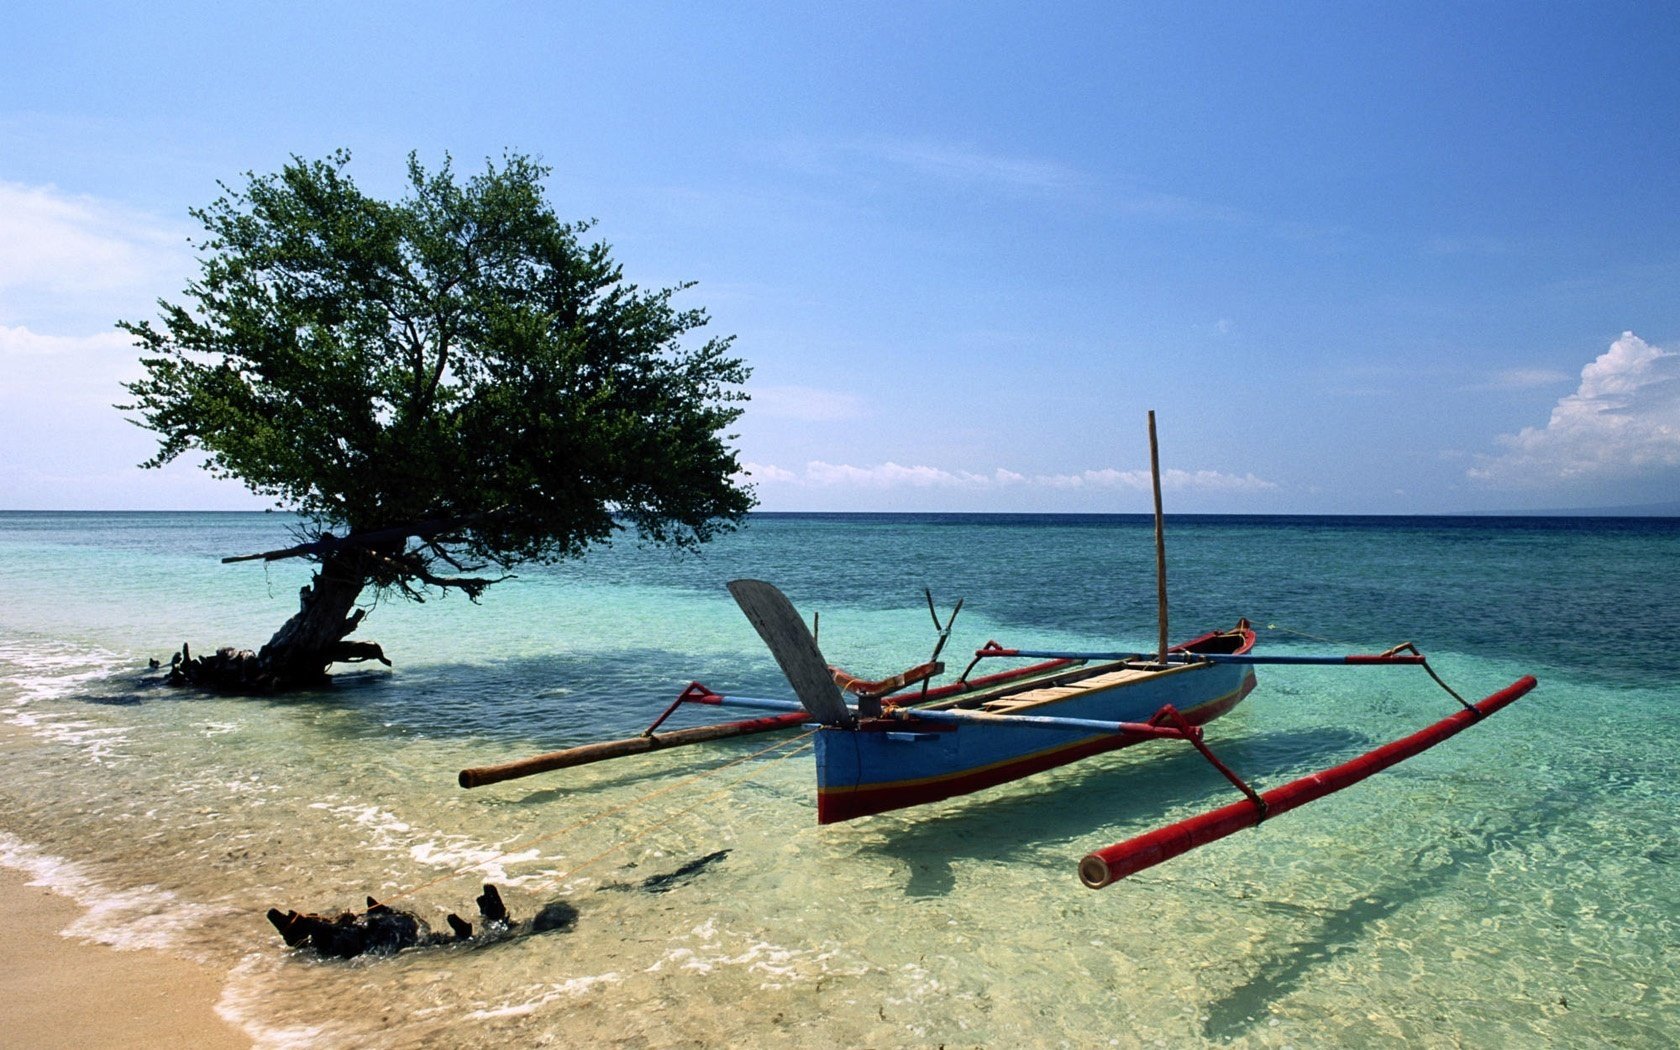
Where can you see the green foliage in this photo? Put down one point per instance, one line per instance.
(456, 356)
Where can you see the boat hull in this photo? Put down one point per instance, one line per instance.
(887, 764)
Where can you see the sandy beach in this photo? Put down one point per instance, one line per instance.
(59, 991)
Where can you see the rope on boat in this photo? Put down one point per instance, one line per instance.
(1315, 637)
(1192, 734)
(803, 742)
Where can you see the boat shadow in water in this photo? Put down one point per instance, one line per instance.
(1064, 810)
(1453, 858)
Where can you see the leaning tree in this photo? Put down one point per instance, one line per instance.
(439, 385)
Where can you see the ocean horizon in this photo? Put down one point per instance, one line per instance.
(1518, 885)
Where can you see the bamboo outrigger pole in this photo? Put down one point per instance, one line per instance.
(1160, 538)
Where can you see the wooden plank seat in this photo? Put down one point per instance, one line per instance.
(1050, 694)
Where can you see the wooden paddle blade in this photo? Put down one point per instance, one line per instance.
(790, 642)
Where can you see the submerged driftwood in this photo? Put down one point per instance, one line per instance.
(383, 930)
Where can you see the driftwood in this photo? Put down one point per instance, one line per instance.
(383, 930)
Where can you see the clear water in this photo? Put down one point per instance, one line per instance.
(1519, 885)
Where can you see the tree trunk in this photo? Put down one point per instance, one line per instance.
(307, 644)
(304, 647)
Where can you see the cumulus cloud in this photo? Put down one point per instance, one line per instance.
(65, 380)
(1622, 422)
(820, 475)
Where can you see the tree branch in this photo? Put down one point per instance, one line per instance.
(412, 566)
(328, 543)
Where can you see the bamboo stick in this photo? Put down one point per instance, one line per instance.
(635, 745)
(1160, 537)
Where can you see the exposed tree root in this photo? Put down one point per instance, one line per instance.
(232, 670)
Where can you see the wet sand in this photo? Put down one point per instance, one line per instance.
(58, 991)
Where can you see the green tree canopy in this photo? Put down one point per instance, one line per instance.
(457, 369)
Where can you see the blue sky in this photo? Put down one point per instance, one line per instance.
(1359, 258)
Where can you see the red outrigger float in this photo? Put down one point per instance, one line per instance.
(901, 742)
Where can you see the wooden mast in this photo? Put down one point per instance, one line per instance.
(1160, 538)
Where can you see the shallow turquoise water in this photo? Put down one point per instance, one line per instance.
(1519, 885)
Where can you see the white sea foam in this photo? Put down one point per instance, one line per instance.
(386, 832)
(40, 670)
(243, 1004)
(143, 917)
(535, 997)
(773, 966)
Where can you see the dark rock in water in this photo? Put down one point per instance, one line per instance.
(555, 915)
(671, 880)
(230, 670)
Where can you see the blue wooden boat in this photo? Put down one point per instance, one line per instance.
(911, 756)
(880, 755)
(900, 742)
(892, 745)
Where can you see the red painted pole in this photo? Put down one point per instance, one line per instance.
(1113, 863)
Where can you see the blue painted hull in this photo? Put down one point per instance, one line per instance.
(886, 764)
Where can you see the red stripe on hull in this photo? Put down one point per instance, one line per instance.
(851, 803)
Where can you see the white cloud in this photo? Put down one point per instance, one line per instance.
(820, 475)
(1622, 422)
(887, 475)
(20, 342)
(67, 256)
(766, 472)
(804, 404)
(70, 266)
(1525, 378)
(66, 374)
(958, 164)
(930, 161)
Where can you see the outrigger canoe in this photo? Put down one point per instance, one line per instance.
(892, 746)
(900, 742)
(883, 756)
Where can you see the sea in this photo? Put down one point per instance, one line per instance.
(1518, 885)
